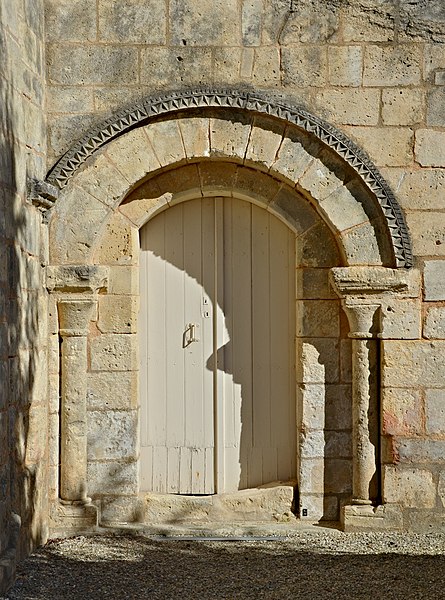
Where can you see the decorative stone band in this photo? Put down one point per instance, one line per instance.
(180, 101)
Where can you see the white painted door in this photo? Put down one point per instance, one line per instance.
(217, 280)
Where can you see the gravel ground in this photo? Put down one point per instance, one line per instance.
(321, 564)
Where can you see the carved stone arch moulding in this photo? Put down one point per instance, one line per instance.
(251, 102)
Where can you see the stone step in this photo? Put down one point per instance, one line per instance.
(269, 503)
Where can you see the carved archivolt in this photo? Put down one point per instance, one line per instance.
(251, 102)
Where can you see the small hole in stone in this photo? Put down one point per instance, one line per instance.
(184, 42)
(179, 58)
(438, 243)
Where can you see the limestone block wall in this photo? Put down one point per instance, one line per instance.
(23, 311)
(374, 69)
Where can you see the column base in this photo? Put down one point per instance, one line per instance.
(71, 519)
(364, 517)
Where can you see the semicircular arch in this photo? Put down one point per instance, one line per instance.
(303, 156)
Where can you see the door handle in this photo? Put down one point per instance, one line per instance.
(190, 335)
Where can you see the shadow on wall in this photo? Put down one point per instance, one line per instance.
(20, 329)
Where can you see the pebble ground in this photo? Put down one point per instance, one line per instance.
(319, 564)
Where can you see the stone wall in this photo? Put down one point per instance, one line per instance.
(23, 310)
(376, 70)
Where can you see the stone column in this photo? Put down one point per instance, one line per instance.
(365, 413)
(75, 288)
(74, 317)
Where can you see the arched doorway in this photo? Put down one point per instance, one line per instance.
(217, 334)
(292, 165)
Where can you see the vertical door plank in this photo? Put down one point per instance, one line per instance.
(209, 306)
(241, 332)
(173, 464)
(261, 327)
(175, 302)
(220, 337)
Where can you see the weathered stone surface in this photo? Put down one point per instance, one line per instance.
(114, 352)
(229, 138)
(429, 148)
(251, 22)
(435, 411)
(338, 407)
(428, 233)
(338, 444)
(263, 144)
(342, 208)
(119, 244)
(266, 67)
(350, 106)
(112, 390)
(402, 411)
(390, 66)
(292, 159)
(313, 284)
(170, 67)
(403, 106)
(74, 65)
(190, 24)
(118, 314)
(70, 99)
(409, 363)
(123, 280)
(420, 189)
(401, 319)
(304, 66)
(409, 487)
(387, 146)
(60, 15)
(195, 133)
(434, 324)
(166, 140)
(338, 476)
(434, 280)
(345, 64)
(417, 450)
(102, 179)
(369, 22)
(312, 398)
(361, 247)
(112, 477)
(319, 361)
(319, 181)
(133, 155)
(141, 210)
(312, 444)
(112, 435)
(132, 21)
(76, 278)
(312, 476)
(318, 318)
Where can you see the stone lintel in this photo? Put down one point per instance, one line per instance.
(357, 518)
(363, 282)
(77, 278)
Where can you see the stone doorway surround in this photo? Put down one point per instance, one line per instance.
(200, 143)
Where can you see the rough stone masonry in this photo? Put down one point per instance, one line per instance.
(328, 117)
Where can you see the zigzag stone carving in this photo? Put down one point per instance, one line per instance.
(253, 102)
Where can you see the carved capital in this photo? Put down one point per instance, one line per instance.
(75, 315)
(76, 279)
(364, 319)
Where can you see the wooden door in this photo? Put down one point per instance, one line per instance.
(217, 282)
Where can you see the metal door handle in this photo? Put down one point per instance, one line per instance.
(190, 335)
